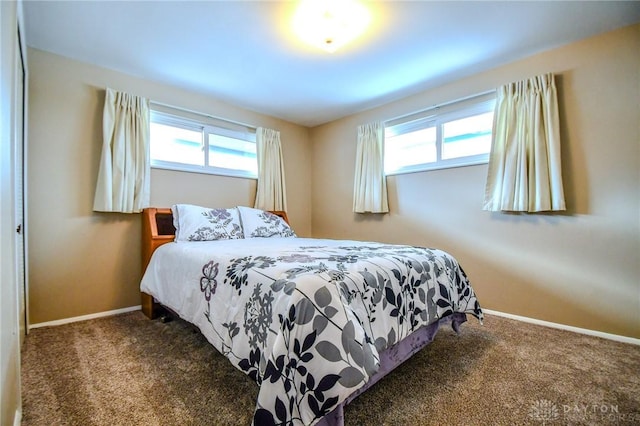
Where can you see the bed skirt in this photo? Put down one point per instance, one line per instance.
(392, 358)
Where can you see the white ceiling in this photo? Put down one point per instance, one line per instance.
(244, 53)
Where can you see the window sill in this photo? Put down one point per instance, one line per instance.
(430, 167)
(204, 170)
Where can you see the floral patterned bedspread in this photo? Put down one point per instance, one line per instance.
(306, 318)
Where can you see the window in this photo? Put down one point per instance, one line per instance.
(202, 144)
(457, 134)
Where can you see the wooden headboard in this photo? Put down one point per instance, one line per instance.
(158, 229)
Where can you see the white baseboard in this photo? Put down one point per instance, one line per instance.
(17, 418)
(85, 317)
(616, 337)
(609, 336)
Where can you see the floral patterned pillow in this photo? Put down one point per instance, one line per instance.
(195, 223)
(262, 224)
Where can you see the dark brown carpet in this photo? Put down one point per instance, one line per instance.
(127, 370)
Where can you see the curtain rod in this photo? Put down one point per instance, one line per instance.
(161, 104)
(437, 106)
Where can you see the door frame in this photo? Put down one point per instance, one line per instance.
(20, 146)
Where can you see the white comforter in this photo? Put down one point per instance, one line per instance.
(306, 318)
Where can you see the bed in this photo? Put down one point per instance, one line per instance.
(314, 322)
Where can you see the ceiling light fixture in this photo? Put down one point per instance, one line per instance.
(330, 24)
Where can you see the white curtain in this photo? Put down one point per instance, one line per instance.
(271, 192)
(123, 178)
(370, 185)
(524, 164)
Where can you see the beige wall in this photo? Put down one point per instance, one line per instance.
(83, 262)
(581, 268)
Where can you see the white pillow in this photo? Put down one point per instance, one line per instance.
(262, 224)
(195, 223)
